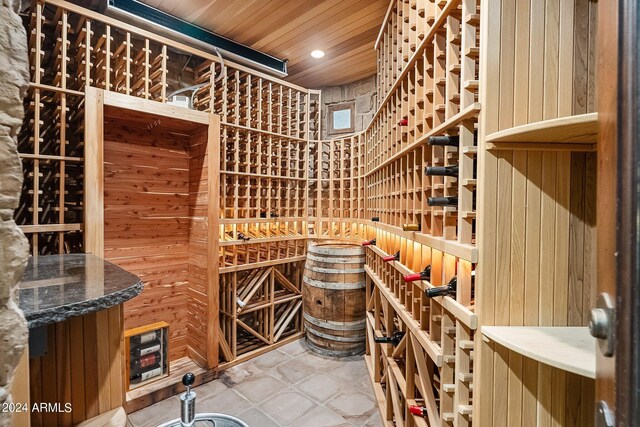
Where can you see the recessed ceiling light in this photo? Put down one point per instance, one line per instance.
(317, 54)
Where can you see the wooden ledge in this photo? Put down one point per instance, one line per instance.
(574, 133)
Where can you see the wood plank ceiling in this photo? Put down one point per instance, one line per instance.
(290, 29)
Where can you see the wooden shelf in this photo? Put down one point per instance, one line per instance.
(575, 133)
(462, 250)
(571, 349)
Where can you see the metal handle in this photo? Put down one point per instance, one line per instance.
(604, 416)
(602, 324)
(188, 401)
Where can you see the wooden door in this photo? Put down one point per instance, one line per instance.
(617, 379)
(627, 370)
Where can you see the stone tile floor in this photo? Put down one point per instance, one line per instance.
(290, 386)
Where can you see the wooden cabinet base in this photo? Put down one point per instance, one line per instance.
(82, 367)
(20, 390)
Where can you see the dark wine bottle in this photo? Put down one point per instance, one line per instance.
(443, 201)
(423, 275)
(148, 348)
(421, 411)
(445, 140)
(371, 242)
(441, 170)
(143, 362)
(394, 257)
(375, 219)
(411, 227)
(448, 289)
(393, 340)
(138, 377)
(404, 122)
(241, 236)
(448, 140)
(145, 338)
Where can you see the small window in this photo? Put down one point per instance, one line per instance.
(341, 118)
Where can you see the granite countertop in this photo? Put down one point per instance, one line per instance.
(57, 287)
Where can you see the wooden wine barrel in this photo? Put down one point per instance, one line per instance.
(333, 292)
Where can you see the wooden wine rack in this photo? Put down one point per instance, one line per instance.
(433, 366)
(428, 61)
(50, 211)
(263, 175)
(336, 188)
(259, 308)
(160, 327)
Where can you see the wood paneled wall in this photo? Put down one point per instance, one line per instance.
(540, 63)
(543, 263)
(537, 208)
(83, 366)
(160, 189)
(146, 195)
(543, 268)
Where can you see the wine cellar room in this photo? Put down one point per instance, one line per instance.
(398, 213)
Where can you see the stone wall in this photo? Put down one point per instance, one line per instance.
(363, 92)
(14, 247)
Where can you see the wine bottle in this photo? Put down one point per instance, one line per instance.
(145, 361)
(441, 170)
(446, 140)
(394, 340)
(138, 377)
(145, 338)
(241, 236)
(394, 257)
(375, 219)
(423, 275)
(148, 348)
(404, 122)
(411, 227)
(371, 242)
(418, 410)
(442, 201)
(448, 289)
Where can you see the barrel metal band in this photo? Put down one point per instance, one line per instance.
(355, 338)
(348, 250)
(318, 348)
(335, 260)
(333, 285)
(338, 326)
(335, 270)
